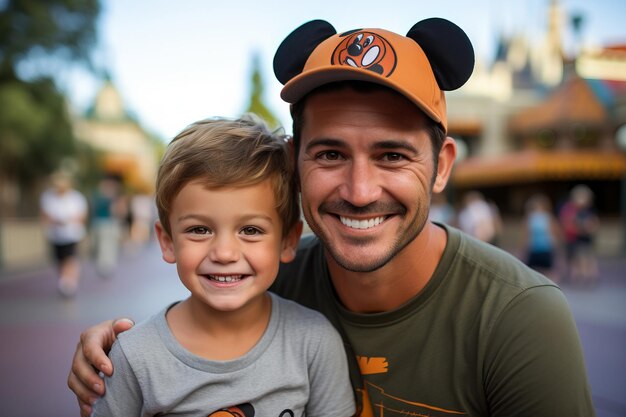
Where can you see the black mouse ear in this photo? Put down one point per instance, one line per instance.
(297, 47)
(448, 49)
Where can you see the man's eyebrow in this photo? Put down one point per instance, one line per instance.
(395, 144)
(335, 143)
(389, 144)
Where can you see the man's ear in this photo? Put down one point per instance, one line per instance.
(290, 243)
(447, 156)
(165, 242)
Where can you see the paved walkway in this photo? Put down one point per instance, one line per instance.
(39, 330)
(600, 314)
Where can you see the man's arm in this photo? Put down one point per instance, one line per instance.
(90, 358)
(123, 396)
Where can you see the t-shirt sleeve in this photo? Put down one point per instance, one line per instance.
(535, 365)
(331, 393)
(123, 396)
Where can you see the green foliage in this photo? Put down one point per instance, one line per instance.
(32, 30)
(38, 40)
(35, 131)
(256, 104)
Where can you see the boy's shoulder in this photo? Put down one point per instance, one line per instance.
(307, 329)
(292, 310)
(297, 315)
(145, 332)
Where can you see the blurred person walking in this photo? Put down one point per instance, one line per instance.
(63, 215)
(143, 215)
(108, 211)
(541, 236)
(478, 218)
(441, 211)
(580, 224)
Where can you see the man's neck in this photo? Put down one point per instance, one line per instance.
(398, 281)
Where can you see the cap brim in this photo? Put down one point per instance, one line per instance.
(306, 82)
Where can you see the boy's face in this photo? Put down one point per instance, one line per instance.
(226, 243)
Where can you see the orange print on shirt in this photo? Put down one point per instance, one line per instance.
(369, 366)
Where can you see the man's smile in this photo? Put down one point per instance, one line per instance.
(362, 224)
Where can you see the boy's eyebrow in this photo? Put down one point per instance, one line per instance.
(202, 217)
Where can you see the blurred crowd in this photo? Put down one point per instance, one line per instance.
(556, 241)
(111, 219)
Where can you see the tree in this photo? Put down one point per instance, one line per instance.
(38, 39)
(35, 33)
(256, 105)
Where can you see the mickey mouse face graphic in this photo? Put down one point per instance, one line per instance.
(241, 410)
(244, 410)
(367, 50)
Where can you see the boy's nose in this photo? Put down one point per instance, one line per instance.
(224, 249)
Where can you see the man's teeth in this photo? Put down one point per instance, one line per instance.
(361, 224)
(226, 278)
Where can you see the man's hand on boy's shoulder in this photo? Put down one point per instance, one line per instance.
(90, 358)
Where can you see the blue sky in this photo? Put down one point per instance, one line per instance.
(176, 62)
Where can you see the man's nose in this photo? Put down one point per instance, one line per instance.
(361, 183)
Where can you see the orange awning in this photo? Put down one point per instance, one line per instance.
(531, 166)
(127, 167)
(572, 104)
(464, 127)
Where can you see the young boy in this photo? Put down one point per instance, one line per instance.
(228, 214)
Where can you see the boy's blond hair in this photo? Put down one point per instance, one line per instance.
(220, 152)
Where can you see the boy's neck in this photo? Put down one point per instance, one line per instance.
(219, 335)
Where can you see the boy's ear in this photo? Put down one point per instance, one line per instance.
(166, 243)
(290, 243)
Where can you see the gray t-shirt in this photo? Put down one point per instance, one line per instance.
(297, 368)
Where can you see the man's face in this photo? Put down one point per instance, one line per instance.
(366, 169)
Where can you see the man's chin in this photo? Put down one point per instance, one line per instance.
(357, 259)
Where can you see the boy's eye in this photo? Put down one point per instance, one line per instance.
(250, 231)
(199, 230)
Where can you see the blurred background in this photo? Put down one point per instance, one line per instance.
(99, 88)
(93, 90)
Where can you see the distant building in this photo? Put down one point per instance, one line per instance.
(536, 121)
(519, 78)
(126, 148)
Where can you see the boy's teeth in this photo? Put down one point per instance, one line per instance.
(361, 224)
(227, 278)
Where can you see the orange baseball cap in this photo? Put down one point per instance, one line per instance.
(435, 56)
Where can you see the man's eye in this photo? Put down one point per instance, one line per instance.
(250, 231)
(329, 155)
(393, 157)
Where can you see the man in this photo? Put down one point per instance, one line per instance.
(435, 322)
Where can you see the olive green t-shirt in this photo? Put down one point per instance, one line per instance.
(487, 336)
